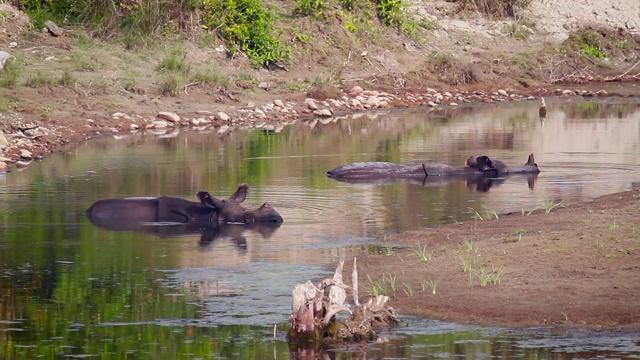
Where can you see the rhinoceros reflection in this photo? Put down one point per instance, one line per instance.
(480, 183)
(209, 232)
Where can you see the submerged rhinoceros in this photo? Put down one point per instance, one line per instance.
(480, 166)
(123, 213)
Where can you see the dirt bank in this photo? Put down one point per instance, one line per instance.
(577, 265)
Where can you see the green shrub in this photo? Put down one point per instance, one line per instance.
(311, 7)
(246, 25)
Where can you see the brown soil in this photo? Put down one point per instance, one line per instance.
(574, 266)
(578, 265)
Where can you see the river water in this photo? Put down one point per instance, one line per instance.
(71, 289)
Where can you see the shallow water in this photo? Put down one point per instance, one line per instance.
(69, 288)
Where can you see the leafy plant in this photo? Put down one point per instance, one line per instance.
(591, 50)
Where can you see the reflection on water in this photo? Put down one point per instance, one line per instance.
(68, 287)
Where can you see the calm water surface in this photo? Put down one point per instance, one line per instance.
(70, 289)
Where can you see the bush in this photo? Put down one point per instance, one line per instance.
(246, 25)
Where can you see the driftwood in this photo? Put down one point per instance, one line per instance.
(314, 309)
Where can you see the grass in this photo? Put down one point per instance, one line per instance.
(169, 85)
(40, 79)
(375, 288)
(174, 62)
(433, 284)
(408, 289)
(10, 74)
(489, 213)
(520, 233)
(423, 254)
(549, 205)
(471, 246)
(468, 262)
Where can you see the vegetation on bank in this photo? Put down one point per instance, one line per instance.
(326, 34)
(249, 26)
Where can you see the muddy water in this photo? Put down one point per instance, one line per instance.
(69, 288)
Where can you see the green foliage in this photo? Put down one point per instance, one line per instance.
(246, 25)
(348, 5)
(392, 13)
(591, 50)
(589, 43)
(311, 7)
(143, 17)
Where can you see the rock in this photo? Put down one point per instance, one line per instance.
(26, 154)
(169, 116)
(311, 104)
(3, 141)
(3, 166)
(323, 112)
(53, 29)
(22, 164)
(264, 86)
(355, 91)
(278, 102)
(4, 57)
(323, 92)
(373, 101)
(13, 44)
(223, 116)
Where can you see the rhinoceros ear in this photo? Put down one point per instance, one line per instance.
(531, 161)
(264, 206)
(209, 201)
(240, 194)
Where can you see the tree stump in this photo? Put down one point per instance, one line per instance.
(314, 309)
